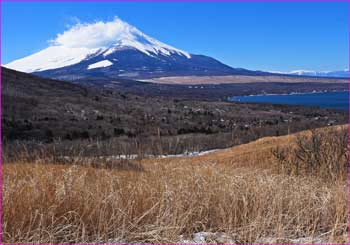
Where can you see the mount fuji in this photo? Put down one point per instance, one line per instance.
(116, 49)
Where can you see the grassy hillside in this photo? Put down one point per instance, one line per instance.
(239, 195)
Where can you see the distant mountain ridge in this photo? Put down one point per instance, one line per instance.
(341, 73)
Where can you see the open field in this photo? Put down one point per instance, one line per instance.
(238, 195)
(191, 80)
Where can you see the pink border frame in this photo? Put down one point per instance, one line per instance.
(348, 166)
(1, 179)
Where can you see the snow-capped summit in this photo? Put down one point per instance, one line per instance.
(88, 40)
(116, 49)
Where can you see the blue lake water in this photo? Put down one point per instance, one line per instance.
(334, 100)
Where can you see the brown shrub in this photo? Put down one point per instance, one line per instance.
(322, 153)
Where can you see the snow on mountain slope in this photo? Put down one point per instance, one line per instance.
(88, 40)
(51, 58)
(103, 63)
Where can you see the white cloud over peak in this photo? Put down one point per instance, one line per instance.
(111, 35)
(95, 35)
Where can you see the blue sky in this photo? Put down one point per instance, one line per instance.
(260, 36)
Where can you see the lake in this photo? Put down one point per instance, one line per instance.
(333, 100)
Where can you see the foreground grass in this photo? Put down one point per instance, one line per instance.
(232, 191)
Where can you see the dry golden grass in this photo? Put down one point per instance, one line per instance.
(236, 191)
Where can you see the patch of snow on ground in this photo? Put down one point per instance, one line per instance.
(208, 237)
(135, 156)
(224, 238)
(185, 154)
